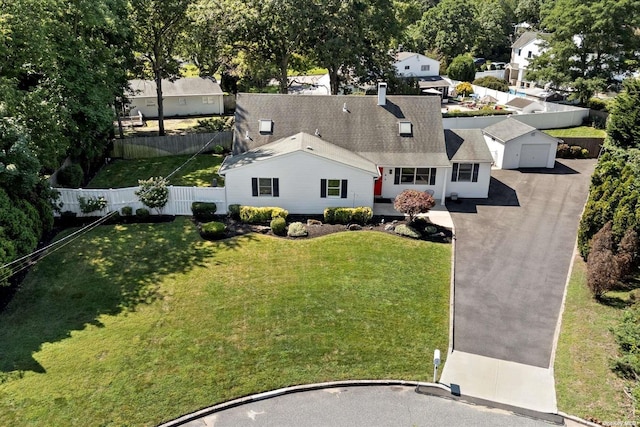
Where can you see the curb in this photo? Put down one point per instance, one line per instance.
(290, 390)
(578, 420)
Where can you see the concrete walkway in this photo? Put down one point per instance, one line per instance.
(437, 215)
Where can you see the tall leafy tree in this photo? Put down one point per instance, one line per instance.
(495, 20)
(351, 38)
(623, 126)
(159, 28)
(590, 42)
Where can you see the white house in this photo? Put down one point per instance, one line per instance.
(410, 64)
(306, 153)
(525, 48)
(514, 145)
(194, 96)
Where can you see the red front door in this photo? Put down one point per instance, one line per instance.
(377, 187)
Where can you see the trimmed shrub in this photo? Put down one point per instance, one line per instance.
(204, 211)
(213, 230)
(563, 151)
(297, 229)
(70, 176)
(361, 215)
(408, 231)
(597, 104)
(252, 214)
(92, 204)
(279, 226)
(126, 211)
(234, 211)
(492, 83)
(153, 192)
(218, 149)
(142, 213)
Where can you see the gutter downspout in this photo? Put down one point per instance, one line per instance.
(444, 186)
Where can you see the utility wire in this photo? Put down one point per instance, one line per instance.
(28, 260)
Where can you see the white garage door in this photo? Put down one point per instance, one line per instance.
(534, 155)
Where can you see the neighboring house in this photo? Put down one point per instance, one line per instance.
(514, 145)
(525, 48)
(524, 106)
(306, 153)
(410, 64)
(194, 96)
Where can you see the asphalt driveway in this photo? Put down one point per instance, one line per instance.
(513, 253)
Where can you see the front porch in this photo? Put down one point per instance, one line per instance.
(437, 215)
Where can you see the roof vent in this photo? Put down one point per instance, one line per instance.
(309, 147)
(405, 128)
(266, 126)
(317, 132)
(246, 135)
(344, 108)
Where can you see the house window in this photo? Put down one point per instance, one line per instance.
(424, 68)
(529, 54)
(266, 126)
(407, 67)
(182, 101)
(208, 99)
(265, 187)
(519, 52)
(333, 188)
(465, 172)
(415, 176)
(150, 102)
(405, 128)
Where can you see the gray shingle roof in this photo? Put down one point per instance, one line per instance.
(299, 142)
(401, 56)
(466, 145)
(519, 102)
(193, 86)
(526, 38)
(366, 128)
(508, 129)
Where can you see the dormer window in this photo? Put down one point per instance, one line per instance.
(266, 126)
(405, 128)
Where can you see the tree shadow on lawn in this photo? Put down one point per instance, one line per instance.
(111, 270)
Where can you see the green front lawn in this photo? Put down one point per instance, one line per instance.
(199, 172)
(585, 384)
(577, 132)
(139, 324)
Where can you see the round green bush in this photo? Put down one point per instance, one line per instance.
(297, 229)
(234, 211)
(70, 176)
(408, 231)
(126, 211)
(204, 211)
(279, 226)
(213, 230)
(142, 213)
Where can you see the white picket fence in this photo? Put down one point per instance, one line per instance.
(180, 199)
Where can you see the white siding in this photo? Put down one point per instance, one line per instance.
(179, 106)
(299, 177)
(513, 149)
(391, 190)
(497, 150)
(475, 190)
(415, 63)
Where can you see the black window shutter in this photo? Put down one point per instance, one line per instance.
(323, 188)
(396, 178)
(254, 187)
(454, 173)
(343, 193)
(276, 187)
(432, 176)
(474, 177)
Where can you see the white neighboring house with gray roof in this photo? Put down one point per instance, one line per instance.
(526, 47)
(306, 153)
(411, 64)
(514, 145)
(193, 96)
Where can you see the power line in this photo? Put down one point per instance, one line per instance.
(28, 260)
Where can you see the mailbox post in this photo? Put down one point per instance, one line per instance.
(436, 363)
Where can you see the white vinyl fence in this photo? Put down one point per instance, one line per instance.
(180, 199)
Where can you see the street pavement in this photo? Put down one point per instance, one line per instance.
(360, 407)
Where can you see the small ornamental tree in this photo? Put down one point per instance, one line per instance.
(627, 256)
(464, 89)
(153, 193)
(413, 202)
(462, 68)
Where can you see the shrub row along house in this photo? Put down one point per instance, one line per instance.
(306, 153)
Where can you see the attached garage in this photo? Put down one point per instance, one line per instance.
(514, 145)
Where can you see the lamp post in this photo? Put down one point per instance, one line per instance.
(436, 363)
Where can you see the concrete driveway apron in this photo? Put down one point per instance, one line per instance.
(513, 253)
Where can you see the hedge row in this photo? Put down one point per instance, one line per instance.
(252, 214)
(360, 215)
(204, 211)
